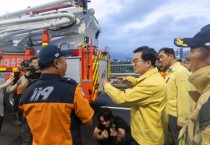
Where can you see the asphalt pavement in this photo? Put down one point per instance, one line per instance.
(10, 133)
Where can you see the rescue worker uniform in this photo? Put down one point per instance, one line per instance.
(27, 137)
(179, 102)
(197, 129)
(147, 100)
(177, 91)
(47, 105)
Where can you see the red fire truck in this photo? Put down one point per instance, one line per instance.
(68, 24)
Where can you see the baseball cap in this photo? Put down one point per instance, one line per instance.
(201, 39)
(51, 52)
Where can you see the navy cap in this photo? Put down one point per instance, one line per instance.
(201, 39)
(51, 52)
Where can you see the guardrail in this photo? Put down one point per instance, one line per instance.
(114, 75)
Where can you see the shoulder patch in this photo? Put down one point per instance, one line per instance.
(68, 80)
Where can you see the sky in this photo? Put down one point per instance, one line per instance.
(128, 24)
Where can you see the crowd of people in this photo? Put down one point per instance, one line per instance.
(156, 102)
(169, 101)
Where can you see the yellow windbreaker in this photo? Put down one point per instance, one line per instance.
(179, 101)
(147, 100)
(197, 129)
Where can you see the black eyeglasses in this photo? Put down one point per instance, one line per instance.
(135, 61)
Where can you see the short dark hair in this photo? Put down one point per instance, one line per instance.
(106, 113)
(31, 59)
(168, 51)
(43, 66)
(148, 54)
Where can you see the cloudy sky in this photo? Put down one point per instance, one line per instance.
(128, 24)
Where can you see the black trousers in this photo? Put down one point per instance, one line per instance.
(173, 130)
(134, 143)
(1, 121)
(76, 129)
(16, 98)
(15, 110)
(27, 137)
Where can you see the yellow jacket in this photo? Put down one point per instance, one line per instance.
(197, 129)
(179, 101)
(147, 100)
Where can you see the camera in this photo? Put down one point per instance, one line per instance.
(113, 126)
(34, 72)
(31, 69)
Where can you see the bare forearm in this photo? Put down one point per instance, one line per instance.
(12, 88)
(2, 86)
(98, 137)
(23, 86)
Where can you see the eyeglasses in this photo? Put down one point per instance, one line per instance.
(135, 61)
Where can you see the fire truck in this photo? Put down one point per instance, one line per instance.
(69, 24)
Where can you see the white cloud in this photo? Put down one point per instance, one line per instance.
(177, 11)
(104, 9)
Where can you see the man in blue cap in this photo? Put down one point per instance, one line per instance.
(49, 102)
(197, 129)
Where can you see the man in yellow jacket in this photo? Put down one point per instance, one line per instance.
(197, 129)
(179, 102)
(147, 99)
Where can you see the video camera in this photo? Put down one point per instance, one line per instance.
(31, 69)
(113, 126)
(34, 72)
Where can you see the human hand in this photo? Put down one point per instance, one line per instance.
(104, 134)
(180, 124)
(19, 82)
(9, 81)
(104, 82)
(27, 73)
(121, 79)
(113, 132)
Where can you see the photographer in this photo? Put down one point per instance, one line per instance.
(17, 74)
(111, 130)
(32, 74)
